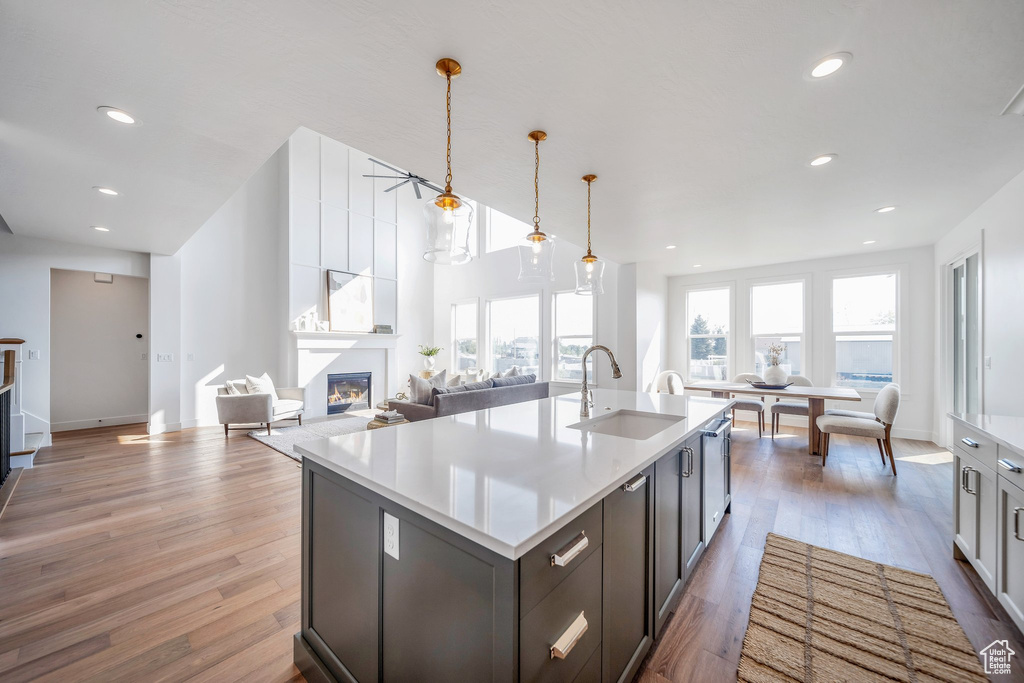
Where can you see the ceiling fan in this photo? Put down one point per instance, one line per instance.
(404, 177)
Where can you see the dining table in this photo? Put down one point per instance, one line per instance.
(816, 397)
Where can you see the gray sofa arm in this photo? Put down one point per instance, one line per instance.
(413, 412)
(292, 394)
(245, 409)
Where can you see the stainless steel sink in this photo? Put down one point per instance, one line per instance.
(628, 424)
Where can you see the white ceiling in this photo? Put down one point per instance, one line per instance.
(696, 115)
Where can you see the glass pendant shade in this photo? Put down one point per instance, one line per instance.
(449, 219)
(589, 276)
(536, 259)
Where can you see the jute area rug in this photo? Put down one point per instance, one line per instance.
(819, 615)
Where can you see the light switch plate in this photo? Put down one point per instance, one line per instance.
(988, 362)
(391, 535)
(33, 354)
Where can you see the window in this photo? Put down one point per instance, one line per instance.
(574, 334)
(504, 232)
(464, 350)
(864, 325)
(514, 328)
(777, 318)
(707, 333)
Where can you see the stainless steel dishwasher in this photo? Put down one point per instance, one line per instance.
(716, 443)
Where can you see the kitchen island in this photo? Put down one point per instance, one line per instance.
(517, 543)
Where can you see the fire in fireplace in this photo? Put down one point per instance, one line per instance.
(347, 390)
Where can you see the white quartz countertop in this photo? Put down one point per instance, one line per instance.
(1006, 430)
(508, 477)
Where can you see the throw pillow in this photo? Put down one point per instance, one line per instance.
(260, 385)
(455, 381)
(513, 371)
(232, 389)
(475, 386)
(512, 381)
(419, 388)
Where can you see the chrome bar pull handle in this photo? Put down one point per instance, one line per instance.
(963, 478)
(567, 641)
(570, 550)
(1016, 523)
(1009, 465)
(970, 443)
(689, 461)
(967, 480)
(636, 483)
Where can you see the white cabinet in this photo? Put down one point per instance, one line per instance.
(988, 512)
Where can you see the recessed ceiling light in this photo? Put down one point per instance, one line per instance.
(118, 115)
(831, 64)
(697, 265)
(106, 190)
(823, 159)
(885, 209)
(869, 242)
(671, 246)
(100, 228)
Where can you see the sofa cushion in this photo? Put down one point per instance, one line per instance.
(420, 389)
(475, 386)
(512, 381)
(286, 405)
(260, 385)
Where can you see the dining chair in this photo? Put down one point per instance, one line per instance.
(789, 406)
(878, 427)
(668, 382)
(747, 403)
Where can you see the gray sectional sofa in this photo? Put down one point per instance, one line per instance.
(468, 401)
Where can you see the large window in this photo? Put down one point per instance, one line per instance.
(574, 334)
(514, 328)
(503, 232)
(464, 326)
(864, 318)
(777, 319)
(707, 333)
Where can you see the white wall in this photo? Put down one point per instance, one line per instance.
(916, 347)
(997, 226)
(98, 370)
(495, 275)
(25, 265)
(233, 283)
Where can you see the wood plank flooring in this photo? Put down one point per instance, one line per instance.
(176, 557)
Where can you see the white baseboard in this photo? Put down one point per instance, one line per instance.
(162, 428)
(89, 424)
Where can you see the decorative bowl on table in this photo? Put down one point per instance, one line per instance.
(766, 385)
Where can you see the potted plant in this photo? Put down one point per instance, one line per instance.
(773, 373)
(429, 353)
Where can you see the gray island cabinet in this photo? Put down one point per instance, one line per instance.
(517, 543)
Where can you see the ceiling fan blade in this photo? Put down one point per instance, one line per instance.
(396, 177)
(416, 189)
(429, 186)
(381, 163)
(398, 185)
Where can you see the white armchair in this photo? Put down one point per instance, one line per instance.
(243, 408)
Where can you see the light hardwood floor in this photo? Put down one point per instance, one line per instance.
(129, 557)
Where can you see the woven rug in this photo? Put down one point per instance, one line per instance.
(284, 439)
(819, 615)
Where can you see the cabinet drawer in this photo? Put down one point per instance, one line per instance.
(554, 617)
(1011, 467)
(537, 574)
(591, 670)
(975, 444)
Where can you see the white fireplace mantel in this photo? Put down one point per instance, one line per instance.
(316, 354)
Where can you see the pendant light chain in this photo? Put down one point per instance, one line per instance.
(536, 186)
(448, 178)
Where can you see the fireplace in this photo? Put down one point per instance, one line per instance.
(347, 390)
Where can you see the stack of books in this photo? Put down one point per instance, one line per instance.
(389, 417)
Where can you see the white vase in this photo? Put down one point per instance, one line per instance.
(428, 362)
(774, 374)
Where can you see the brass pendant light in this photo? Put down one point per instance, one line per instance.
(589, 269)
(448, 216)
(536, 250)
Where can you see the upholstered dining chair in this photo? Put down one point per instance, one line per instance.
(789, 406)
(668, 382)
(878, 427)
(754, 405)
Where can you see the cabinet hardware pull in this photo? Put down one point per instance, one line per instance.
(1016, 523)
(967, 480)
(631, 486)
(567, 641)
(970, 443)
(1009, 465)
(689, 461)
(570, 550)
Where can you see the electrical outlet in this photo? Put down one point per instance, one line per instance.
(164, 357)
(190, 356)
(143, 356)
(988, 362)
(391, 535)
(33, 354)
